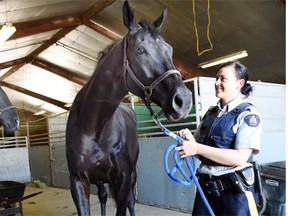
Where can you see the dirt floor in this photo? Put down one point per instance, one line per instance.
(58, 202)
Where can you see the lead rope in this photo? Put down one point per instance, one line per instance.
(187, 179)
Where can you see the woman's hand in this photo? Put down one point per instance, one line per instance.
(189, 147)
(186, 134)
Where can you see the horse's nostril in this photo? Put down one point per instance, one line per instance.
(178, 100)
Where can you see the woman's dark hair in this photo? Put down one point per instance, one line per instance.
(241, 72)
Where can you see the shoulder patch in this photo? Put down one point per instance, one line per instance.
(252, 120)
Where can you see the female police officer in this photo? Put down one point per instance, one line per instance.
(225, 139)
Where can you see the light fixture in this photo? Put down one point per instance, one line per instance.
(6, 32)
(223, 59)
(40, 112)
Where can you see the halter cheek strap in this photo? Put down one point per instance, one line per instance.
(148, 90)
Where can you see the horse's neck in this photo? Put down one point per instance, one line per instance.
(106, 88)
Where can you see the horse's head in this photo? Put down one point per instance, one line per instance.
(150, 73)
(8, 116)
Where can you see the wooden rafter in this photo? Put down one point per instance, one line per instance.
(39, 26)
(98, 28)
(67, 74)
(35, 95)
(66, 24)
(29, 28)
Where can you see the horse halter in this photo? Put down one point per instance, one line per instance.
(148, 90)
(6, 108)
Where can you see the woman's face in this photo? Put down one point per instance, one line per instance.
(227, 87)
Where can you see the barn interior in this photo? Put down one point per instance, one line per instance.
(58, 42)
(54, 47)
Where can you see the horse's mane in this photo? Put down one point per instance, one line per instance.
(106, 50)
(146, 26)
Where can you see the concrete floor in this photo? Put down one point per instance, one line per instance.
(58, 202)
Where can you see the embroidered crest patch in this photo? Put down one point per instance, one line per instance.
(252, 120)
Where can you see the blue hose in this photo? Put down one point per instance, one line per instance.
(187, 179)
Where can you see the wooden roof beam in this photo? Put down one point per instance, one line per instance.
(60, 34)
(38, 26)
(101, 29)
(35, 95)
(63, 72)
(34, 27)
(67, 23)
(12, 63)
(12, 70)
(29, 28)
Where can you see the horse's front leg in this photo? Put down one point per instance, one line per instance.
(102, 195)
(80, 191)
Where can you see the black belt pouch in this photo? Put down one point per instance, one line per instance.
(243, 179)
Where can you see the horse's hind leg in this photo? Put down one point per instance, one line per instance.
(131, 203)
(122, 193)
(80, 193)
(102, 195)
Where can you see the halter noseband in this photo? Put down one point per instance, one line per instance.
(148, 90)
(6, 108)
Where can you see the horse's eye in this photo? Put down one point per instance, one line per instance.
(140, 50)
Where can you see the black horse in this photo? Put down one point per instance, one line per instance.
(8, 116)
(101, 135)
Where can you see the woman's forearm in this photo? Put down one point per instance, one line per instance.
(229, 157)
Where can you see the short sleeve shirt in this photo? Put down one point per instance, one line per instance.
(248, 129)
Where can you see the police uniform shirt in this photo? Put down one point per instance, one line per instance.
(248, 130)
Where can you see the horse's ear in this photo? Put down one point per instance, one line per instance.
(128, 17)
(158, 22)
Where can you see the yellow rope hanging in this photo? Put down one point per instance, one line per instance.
(208, 27)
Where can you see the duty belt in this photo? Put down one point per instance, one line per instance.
(214, 185)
